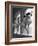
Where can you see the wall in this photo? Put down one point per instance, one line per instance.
(2, 23)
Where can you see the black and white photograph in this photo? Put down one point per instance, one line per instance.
(21, 22)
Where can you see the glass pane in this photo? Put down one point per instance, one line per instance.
(20, 21)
